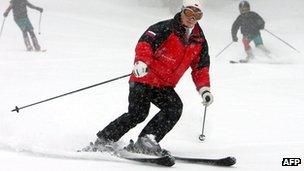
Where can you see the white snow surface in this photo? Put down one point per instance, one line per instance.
(257, 115)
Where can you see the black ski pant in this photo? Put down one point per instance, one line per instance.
(140, 98)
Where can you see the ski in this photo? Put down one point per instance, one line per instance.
(163, 159)
(234, 62)
(167, 161)
(238, 62)
(170, 160)
(227, 161)
(41, 51)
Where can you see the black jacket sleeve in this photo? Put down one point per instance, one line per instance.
(260, 21)
(204, 56)
(235, 26)
(32, 6)
(8, 10)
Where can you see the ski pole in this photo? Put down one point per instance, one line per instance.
(17, 109)
(39, 26)
(224, 49)
(202, 136)
(282, 40)
(2, 26)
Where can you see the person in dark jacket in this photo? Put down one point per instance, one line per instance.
(19, 8)
(162, 55)
(250, 23)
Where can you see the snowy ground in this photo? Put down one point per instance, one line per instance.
(257, 115)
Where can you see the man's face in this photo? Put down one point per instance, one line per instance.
(190, 16)
(244, 10)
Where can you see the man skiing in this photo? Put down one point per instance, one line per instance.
(162, 55)
(19, 8)
(250, 23)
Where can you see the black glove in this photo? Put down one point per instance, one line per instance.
(5, 14)
(234, 38)
(40, 9)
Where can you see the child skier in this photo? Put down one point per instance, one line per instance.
(19, 8)
(250, 23)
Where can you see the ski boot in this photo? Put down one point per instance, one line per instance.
(244, 60)
(264, 49)
(100, 145)
(36, 45)
(248, 57)
(28, 46)
(146, 145)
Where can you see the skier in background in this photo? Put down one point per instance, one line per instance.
(162, 55)
(250, 23)
(19, 8)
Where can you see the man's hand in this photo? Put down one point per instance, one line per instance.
(40, 9)
(206, 95)
(234, 38)
(140, 69)
(5, 14)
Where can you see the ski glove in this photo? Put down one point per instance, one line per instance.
(206, 95)
(234, 38)
(140, 69)
(5, 14)
(40, 9)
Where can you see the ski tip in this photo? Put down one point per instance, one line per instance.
(167, 161)
(233, 62)
(228, 161)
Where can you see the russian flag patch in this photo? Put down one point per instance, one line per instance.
(150, 33)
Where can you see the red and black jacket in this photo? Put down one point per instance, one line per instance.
(167, 51)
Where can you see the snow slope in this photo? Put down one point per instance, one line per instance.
(257, 114)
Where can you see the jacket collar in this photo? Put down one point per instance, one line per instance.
(179, 29)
